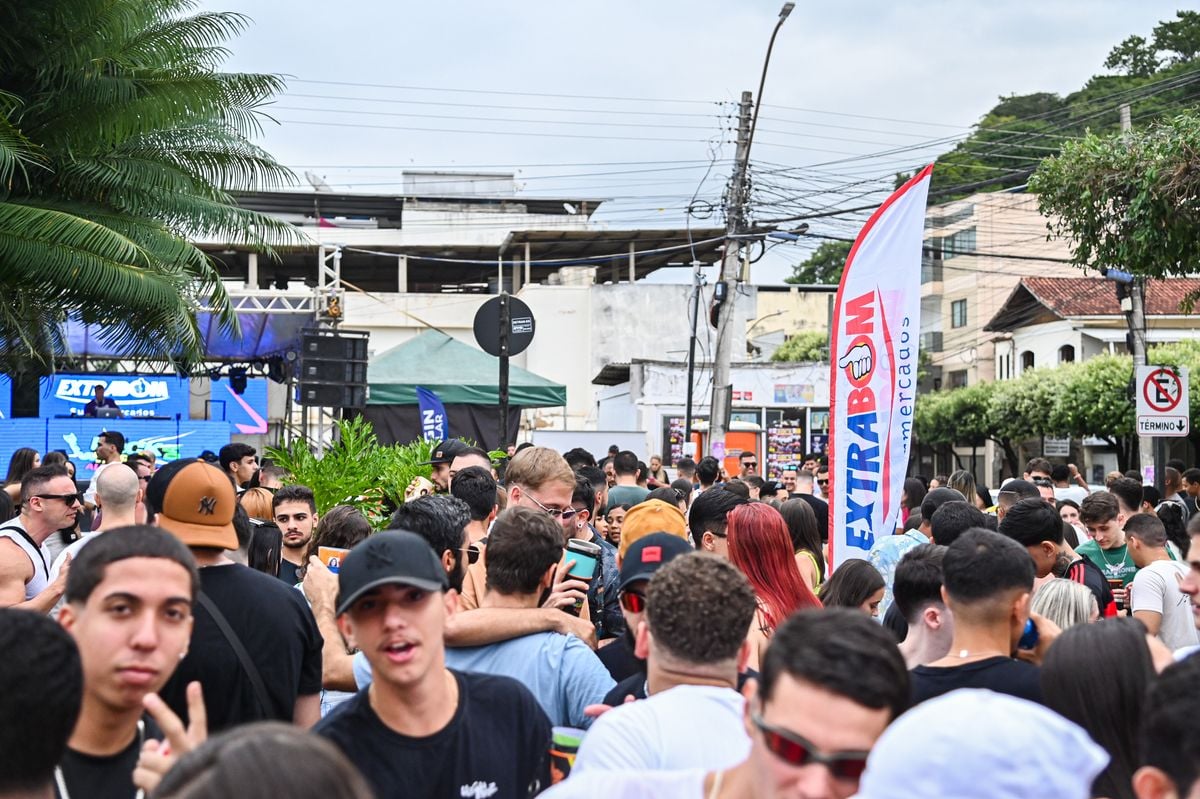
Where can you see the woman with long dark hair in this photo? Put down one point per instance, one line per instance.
(1096, 675)
(911, 497)
(23, 461)
(759, 545)
(855, 584)
(806, 541)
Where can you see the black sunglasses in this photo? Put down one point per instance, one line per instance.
(472, 554)
(69, 499)
(797, 751)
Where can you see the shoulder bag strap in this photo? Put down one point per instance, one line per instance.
(260, 689)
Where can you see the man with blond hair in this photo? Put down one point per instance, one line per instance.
(540, 479)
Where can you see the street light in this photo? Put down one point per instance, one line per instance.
(783, 15)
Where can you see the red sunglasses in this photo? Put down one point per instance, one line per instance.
(633, 602)
(793, 749)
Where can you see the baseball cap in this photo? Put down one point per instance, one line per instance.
(645, 557)
(651, 516)
(195, 501)
(942, 746)
(393, 557)
(445, 451)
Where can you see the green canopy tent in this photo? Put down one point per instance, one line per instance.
(464, 378)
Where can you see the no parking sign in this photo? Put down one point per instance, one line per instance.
(1162, 401)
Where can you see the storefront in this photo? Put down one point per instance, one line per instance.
(780, 411)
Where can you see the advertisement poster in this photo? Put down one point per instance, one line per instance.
(138, 396)
(785, 447)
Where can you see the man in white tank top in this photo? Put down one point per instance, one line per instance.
(49, 502)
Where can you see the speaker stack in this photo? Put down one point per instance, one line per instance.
(333, 368)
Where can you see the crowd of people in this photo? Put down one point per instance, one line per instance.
(568, 626)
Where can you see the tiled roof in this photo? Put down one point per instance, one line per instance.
(1094, 296)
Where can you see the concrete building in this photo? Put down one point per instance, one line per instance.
(394, 265)
(977, 250)
(1047, 321)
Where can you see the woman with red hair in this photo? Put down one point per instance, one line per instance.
(760, 545)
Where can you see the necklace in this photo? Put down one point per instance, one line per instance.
(716, 786)
(61, 781)
(1109, 566)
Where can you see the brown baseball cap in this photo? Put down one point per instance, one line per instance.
(195, 501)
(651, 516)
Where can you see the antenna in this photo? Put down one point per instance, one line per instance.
(316, 181)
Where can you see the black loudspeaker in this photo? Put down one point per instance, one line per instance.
(333, 369)
(331, 396)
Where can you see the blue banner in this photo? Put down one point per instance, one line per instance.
(169, 440)
(433, 415)
(5, 397)
(163, 396)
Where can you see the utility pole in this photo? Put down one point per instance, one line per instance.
(1136, 319)
(737, 195)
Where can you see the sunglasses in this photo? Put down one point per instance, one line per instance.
(69, 499)
(472, 554)
(633, 601)
(824, 482)
(795, 750)
(750, 464)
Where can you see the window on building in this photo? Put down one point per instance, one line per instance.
(958, 243)
(1066, 354)
(958, 379)
(958, 313)
(1026, 360)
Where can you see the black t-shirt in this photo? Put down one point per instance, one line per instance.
(894, 620)
(635, 686)
(279, 633)
(619, 659)
(1000, 674)
(107, 777)
(289, 572)
(1086, 573)
(496, 745)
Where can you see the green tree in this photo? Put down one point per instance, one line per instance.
(1093, 400)
(824, 266)
(1128, 201)
(1180, 36)
(1134, 57)
(119, 143)
(804, 347)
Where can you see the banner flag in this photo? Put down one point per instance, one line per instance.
(433, 415)
(873, 372)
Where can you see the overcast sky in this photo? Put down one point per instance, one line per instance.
(374, 87)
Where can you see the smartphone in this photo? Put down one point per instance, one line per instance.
(332, 557)
(586, 556)
(1029, 638)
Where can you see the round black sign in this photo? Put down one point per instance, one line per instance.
(520, 326)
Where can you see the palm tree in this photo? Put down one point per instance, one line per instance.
(119, 143)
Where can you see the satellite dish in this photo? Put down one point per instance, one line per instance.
(316, 181)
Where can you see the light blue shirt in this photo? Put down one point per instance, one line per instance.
(561, 671)
(885, 556)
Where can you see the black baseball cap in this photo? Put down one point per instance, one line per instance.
(446, 451)
(646, 555)
(393, 557)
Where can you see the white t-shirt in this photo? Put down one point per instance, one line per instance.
(687, 727)
(89, 494)
(1156, 588)
(630, 785)
(1074, 493)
